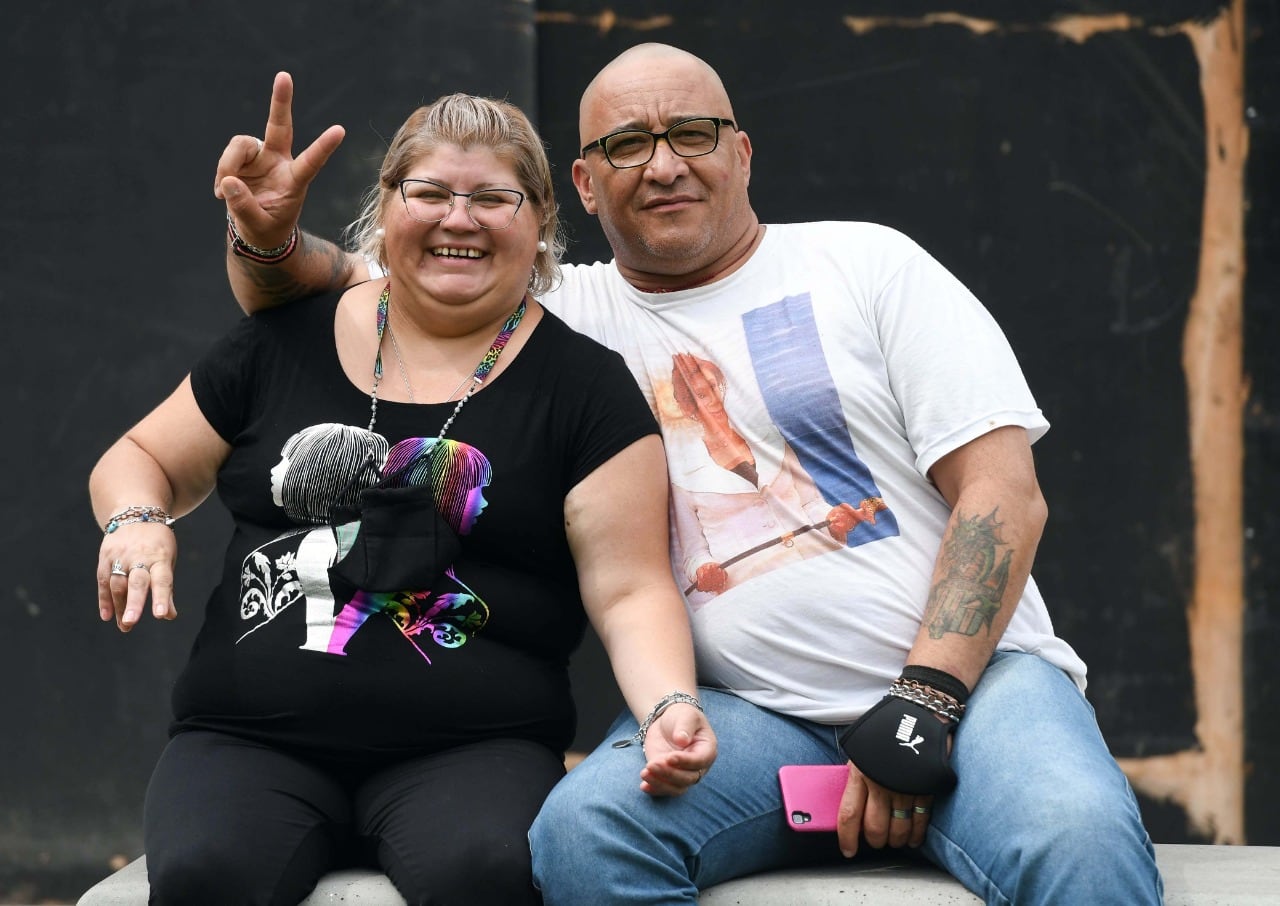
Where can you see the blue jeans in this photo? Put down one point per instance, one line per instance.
(1042, 814)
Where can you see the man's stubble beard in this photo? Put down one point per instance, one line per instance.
(670, 254)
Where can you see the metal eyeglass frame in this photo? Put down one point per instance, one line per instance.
(467, 196)
(654, 136)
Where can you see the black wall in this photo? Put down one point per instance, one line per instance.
(1062, 181)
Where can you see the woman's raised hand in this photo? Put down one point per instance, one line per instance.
(261, 181)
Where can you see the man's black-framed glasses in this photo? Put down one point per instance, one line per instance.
(489, 209)
(693, 137)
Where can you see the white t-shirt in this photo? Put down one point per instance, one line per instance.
(831, 371)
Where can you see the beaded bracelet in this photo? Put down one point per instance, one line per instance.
(671, 698)
(140, 513)
(262, 256)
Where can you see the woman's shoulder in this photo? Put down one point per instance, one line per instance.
(566, 350)
(571, 340)
(270, 334)
(300, 314)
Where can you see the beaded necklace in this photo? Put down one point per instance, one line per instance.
(477, 378)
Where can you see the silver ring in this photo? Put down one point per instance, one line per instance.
(117, 568)
(920, 809)
(259, 151)
(142, 566)
(901, 814)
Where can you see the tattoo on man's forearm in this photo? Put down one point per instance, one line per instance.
(975, 571)
(278, 284)
(284, 287)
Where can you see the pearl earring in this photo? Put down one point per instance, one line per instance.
(379, 231)
(542, 245)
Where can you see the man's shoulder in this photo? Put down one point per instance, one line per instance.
(576, 276)
(584, 294)
(845, 249)
(844, 230)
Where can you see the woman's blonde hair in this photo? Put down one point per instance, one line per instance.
(467, 121)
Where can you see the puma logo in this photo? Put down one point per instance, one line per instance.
(905, 728)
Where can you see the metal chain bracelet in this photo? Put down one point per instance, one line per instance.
(139, 513)
(928, 697)
(671, 698)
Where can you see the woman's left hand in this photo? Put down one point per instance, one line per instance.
(680, 747)
(136, 562)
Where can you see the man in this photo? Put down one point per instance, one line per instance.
(911, 641)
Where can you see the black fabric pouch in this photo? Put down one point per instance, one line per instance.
(403, 543)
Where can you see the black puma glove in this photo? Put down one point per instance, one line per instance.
(901, 746)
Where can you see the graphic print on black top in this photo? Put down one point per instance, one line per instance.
(388, 520)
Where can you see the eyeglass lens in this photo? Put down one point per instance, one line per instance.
(489, 209)
(692, 138)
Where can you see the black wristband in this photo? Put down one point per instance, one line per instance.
(902, 746)
(940, 680)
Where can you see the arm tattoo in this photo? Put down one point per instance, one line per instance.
(322, 258)
(975, 571)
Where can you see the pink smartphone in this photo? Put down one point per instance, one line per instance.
(811, 794)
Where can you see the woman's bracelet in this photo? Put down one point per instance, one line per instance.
(139, 513)
(262, 256)
(671, 698)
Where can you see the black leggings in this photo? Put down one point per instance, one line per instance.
(232, 822)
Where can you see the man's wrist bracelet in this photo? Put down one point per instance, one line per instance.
(939, 680)
(927, 697)
(262, 256)
(139, 513)
(671, 698)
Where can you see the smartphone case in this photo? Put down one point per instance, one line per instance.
(811, 794)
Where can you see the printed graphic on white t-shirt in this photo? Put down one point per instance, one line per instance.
(745, 505)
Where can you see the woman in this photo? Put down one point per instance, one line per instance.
(381, 674)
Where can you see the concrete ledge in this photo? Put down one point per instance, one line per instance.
(1193, 876)
(129, 887)
(879, 882)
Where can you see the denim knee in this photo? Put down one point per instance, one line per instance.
(564, 826)
(593, 848)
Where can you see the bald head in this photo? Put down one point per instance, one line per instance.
(648, 69)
